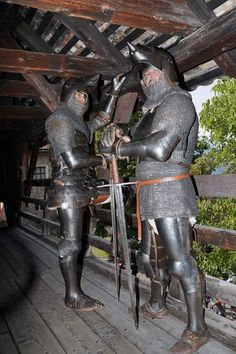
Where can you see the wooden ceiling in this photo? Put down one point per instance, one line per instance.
(44, 42)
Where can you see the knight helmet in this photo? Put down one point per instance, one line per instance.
(156, 57)
(85, 84)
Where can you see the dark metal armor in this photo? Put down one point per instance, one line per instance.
(152, 257)
(164, 143)
(73, 187)
(172, 122)
(70, 188)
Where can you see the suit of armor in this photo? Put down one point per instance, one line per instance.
(164, 143)
(72, 187)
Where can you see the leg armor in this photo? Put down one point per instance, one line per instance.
(153, 258)
(176, 235)
(71, 221)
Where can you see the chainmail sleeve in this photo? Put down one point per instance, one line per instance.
(61, 133)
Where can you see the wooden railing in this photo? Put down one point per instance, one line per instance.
(206, 186)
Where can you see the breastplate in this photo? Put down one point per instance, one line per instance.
(144, 127)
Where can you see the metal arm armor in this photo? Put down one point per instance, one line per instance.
(74, 159)
(117, 83)
(158, 146)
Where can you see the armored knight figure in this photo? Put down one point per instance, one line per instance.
(72, 187)
(164, 143)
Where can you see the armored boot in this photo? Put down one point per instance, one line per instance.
(71, 221)
(176, 235)
(196, 334)
(153, 257)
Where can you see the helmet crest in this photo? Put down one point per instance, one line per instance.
(156, 57)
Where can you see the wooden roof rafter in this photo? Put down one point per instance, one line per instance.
(23, 113)
(204, 41)
(20, 88)
(48, 47)
(204, 44)
(47, 94)
(165, 16)
(225, 61)
(23, 61)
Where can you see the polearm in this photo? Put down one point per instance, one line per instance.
(120, 233)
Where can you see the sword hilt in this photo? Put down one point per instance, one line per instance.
(114, 170)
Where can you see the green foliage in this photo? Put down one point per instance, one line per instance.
(217, 212)
(204, 165)
(202, 147)
(218, 119)
(101, 229)
(215, 261)
(203, 160)
(127, 167)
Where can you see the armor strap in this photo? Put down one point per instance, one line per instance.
(148, 182)
(101, 199)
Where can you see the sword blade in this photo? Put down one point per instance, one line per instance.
(115, 240)
(124, 243)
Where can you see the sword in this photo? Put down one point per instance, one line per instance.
(119, 233)
(114, 178)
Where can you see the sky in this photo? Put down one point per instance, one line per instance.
(201, 95)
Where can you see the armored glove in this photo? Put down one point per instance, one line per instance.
(117, 83)
(113, 93)
(112, 133)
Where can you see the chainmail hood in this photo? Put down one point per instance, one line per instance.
(156, 92)
(77, 108)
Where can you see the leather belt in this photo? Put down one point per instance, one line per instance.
(148, 182)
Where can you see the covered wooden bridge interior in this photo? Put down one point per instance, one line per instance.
(43, 43)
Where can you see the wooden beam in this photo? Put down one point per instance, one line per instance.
(22, 61)
(125, 106)
(203, 79)
(31, 169)
(18, 88)
(220, 237)
(163, 16)
(32, 38)
(42, 203)
(225, 61)
(215, 186)
(39, 182)
(47, 94)
(94, 39)
(22, 113)
(39, 220)
(214, 38)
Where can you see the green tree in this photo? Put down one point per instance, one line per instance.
(218, 118)
(203, 161)
(127, 167)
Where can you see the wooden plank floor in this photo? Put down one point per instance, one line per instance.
(35, 320)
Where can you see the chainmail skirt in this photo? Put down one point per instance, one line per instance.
(167, 199)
